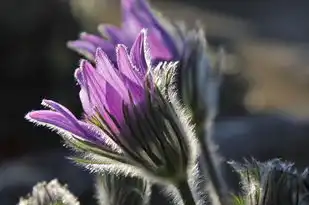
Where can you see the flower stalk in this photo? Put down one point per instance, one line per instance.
(199, 84)
(116, 189)
(185, 192)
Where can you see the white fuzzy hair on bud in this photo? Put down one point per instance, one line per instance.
(49, 193)
(184, 114)
(172, 194)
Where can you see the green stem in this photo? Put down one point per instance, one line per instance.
(208, 164)
(185, 193)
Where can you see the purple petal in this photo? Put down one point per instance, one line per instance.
(62, 110)
(99, 42)
(146, 16)
(125, 65)
(91, 38)
(136, 91)
(129, 7)
(83, 94)
(48, 117)
(113, 33)
(94, 86)
(96, 91)
(158, 49)
(132, 26)
(78, 74)
(85, 100)
(111, 75)
(114, 102)
(57, 121)
(139, 52)
(83, 47)
(84, 127)
(161, 42)
(127, 4)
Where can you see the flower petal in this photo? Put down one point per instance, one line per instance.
(64, 111)
(161, 42)
(83, 94)
(96, 40)
(64, 126)
(126, 67)
(79, 75)
(111, 75)
(136, 91)
(140, 53)
(114, 34)
(96, 90)
(114, 102)
(100, 42)
(158, 48)
(84, 48)
(84, 98)
(54, 118)
(94, 85)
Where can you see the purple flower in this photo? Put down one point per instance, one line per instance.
(137, 15)
(127, 117)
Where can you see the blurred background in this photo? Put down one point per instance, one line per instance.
(264, 96)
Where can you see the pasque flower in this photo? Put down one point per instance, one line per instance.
(197, 81)
(136, 14)
(129, 117)
(272, 182)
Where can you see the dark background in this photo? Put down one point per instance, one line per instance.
(36, 64)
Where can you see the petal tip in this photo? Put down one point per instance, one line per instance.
(144, 31)
(101, 29)
(48, 104)
(71, 44)
(33, 116)
(83, 34)
(82, 63)
(100, 54)
(28, 116)
(121, 47)
(77, 73)
(99, 51)
(78, 70)
(45, 102)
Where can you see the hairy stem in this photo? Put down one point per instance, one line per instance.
(205, 122)
(185, 192)
(208, 163)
